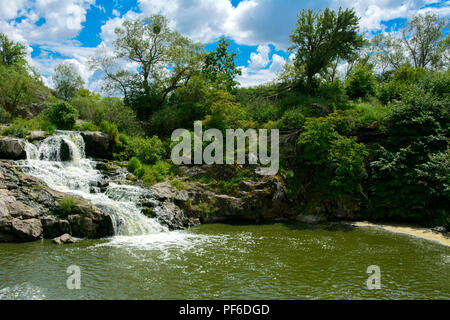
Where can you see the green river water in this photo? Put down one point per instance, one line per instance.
(276, 261)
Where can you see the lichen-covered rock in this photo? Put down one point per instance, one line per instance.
(12, 149)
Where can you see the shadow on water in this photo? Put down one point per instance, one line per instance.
(330, 226)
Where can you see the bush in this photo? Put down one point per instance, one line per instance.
(111, 130)
(408, 174)
(291, 119)
(334, 162)
(67, 205)
(361, 83)
(4, 115)
(148, 151)
(334, 92)
(62, 115)
(134, 164)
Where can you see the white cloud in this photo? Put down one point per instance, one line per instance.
(257, 72)
(260, 59)
(252, 22)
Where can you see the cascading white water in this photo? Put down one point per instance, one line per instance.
(60, 162)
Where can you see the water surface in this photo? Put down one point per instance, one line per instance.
(277, 261)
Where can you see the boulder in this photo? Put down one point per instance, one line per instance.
(64, 239)
(440, 229)
(12, 149)
(54, 227)
(88, 221)
(17, 230)
(97, 145)
(37, 135)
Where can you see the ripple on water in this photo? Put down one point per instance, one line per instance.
(24, 291)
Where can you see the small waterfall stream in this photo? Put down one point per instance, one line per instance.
(61, 163)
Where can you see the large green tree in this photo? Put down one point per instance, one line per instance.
(164, 61)
(67, 81)
(323, 36)
(219, 66)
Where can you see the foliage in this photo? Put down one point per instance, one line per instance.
(19, 88)
(11, 53)
(62, 115)
(67, 81)
(66, 206)
(321, 37)
(401, 187)
(219, 66)
(147, 150)
(335, 162)
(361, 82)
(166, 60)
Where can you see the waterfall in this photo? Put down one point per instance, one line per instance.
(60, 162)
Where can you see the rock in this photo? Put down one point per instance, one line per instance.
(88, 221)
(97, 145)
(37, 135)
(27, 211)
(64, 239)
(440, 229)
(17, 230)
(254, 202)
(54, 227)
(12, 149)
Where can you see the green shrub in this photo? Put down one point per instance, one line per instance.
(111, 130)
(361, 83)
(62, 115)
(66, 205)
(334, 92)
(334, 162)
(134, 164)
(147, 150)
(291, 119)
(4, 115)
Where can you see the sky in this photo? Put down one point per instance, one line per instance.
(71, 31)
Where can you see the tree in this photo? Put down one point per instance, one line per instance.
(165, 61)
(421, 39)
(387, 52)
(67, 81)
(219, 65)
(421, 45)
(322, 37)
(11, 53)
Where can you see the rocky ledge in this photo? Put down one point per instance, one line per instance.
(252, 201)
(29, 211)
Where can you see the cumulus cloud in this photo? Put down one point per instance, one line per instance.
(53, 24)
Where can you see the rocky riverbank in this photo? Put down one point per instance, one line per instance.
(29, 211)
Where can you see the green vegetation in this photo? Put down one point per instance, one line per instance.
(366, 121)
(66, 206)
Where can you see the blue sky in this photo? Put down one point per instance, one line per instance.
(72, 30)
